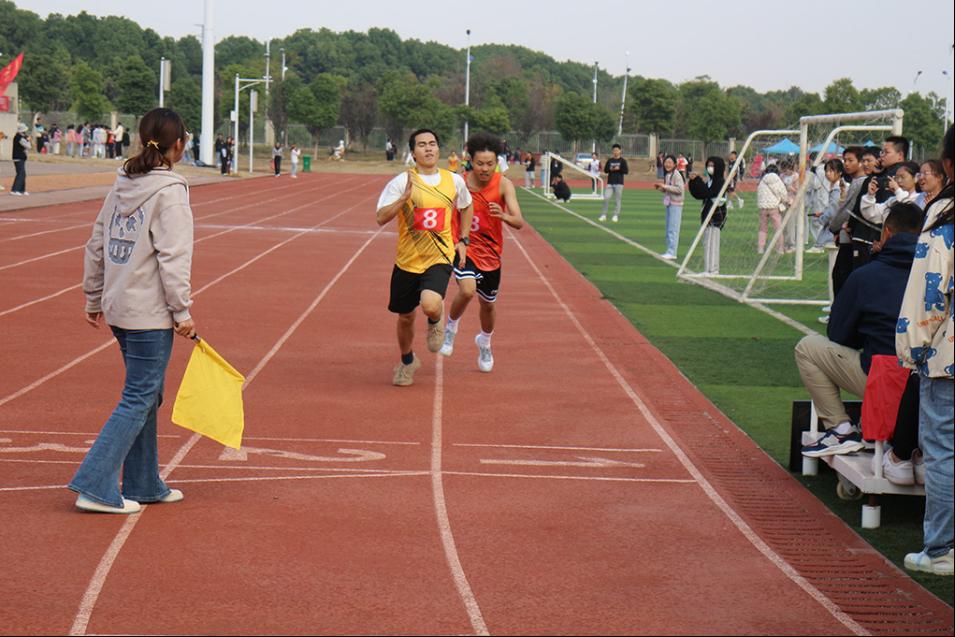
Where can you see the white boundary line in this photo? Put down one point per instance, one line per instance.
(85, 611)
(558, 448)
(708, 488)
(543, 476)
(779, 316)
(441, 509)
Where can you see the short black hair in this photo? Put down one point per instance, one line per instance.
(855, 151)
(772, 168)
(910, 167)
(836, 166)
(901, 144)
(411, 140)
(615, 146)
(870, 150)
(905, 216)
(483, 142)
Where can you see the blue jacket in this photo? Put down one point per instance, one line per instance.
(866, 310)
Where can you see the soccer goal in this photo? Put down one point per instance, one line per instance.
(582, 184)
(782, 256)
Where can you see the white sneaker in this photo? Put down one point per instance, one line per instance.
(824, 320)
(15, 193)
(87, 504)
(25, 193)
(827, 309)
(741, 202)
(615, 219)
(602, 218)
(901, 473)
(485, 358)
(448, 347)
(174, 495)
(669, 257)
(941, 565)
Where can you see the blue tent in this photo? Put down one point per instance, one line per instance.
(833, 148)
(784, 147)
(870, 143)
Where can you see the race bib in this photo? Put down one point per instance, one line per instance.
(429, 219)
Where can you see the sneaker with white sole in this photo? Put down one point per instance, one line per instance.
(88, 504)
(827, 309)
(404, 374)
(448, 347)
(435, 336)
(615, 218)
(602, 218)
(174, 495)
(941, 565)
(669, 257)
(833, 444)
(485, 358)
(901, 473)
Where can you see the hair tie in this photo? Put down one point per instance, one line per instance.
(153, 143)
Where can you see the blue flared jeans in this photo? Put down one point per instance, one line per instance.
(127, 442)
(936, 430)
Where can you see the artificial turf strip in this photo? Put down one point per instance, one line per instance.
(739, 357)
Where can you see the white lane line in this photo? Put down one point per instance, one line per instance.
(90, 596)
(365, 442)
(548, 476)
(107, 344)
(251, 205)
(441, 509)
(559, 448)
(708, 488)
(390, 474)
(67, 433)
(779, 316)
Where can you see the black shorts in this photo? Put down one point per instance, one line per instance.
(488, 282)
(406, 286)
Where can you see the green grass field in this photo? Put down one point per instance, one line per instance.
(739, 357)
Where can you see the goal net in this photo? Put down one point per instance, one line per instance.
(577, 177)
(784, 253)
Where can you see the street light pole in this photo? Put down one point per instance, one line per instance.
(623, 100)
(162, 81)
(467, 85)
(594, 150)
(208, 87)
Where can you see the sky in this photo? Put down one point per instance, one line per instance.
(765, 45)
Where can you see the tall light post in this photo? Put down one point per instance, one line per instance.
(594, 150)
(284, 69)
(242, 83)
(206, 148)
(269, 131)
(467, 85)
(623, 100)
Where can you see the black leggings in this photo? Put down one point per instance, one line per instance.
(905, 439)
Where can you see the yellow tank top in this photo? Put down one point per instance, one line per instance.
(424, 224)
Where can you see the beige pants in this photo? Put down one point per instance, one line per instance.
(825, 368)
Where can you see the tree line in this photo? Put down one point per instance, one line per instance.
(92, 65)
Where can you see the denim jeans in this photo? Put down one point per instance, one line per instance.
(936, 430)
(674, 217)
(20, 181)
(127, 441)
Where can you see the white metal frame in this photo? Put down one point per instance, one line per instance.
(796, 209)
(598, 195)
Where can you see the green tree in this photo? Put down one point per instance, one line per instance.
(880, 99)
(652, 104)
(922, 123)
(491, 119)
(185, 97)
(572, 117)
(706, 112)
(842, 97)
(41, 80)
(406, 103)
(86, 87)
(138, 87)
(804, 104)
(360, 110)
(316, 105)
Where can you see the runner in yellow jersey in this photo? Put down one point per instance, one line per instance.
(424, 200)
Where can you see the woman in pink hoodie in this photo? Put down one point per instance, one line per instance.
(137, 277)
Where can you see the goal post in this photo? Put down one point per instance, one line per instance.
(579, 180)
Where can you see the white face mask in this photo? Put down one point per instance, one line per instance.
(711, 170)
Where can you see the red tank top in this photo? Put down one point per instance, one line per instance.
(487, 232)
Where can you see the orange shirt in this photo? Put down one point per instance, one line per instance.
(487, 232)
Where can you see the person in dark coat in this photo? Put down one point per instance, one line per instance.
(706, 188)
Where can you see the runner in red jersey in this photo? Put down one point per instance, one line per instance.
(495, 203)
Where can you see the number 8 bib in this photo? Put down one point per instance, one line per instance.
(431, 219)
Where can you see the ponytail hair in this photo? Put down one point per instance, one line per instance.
(159, 130)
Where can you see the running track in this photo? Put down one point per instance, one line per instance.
(584, 487)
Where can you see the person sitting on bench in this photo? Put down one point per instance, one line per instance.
(864, 316)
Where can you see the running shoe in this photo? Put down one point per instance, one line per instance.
(941, 565)
(436, 334)
(602, 218)
(485, 358)
(834, 444)
(669, 257)
(901, 473)
(404, 374)
(448, 348)
(615, 219)
(88, 504)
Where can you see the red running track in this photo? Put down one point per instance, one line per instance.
(574, 490)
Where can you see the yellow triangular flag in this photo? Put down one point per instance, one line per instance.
(209, 401)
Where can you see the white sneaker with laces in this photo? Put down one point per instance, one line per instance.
(901, 472)
(941, 565)
(485, 358)
(448, 347)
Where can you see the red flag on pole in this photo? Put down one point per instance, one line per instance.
(9, 72)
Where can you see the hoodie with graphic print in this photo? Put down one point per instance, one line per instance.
(925, 336)
(139, 258)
